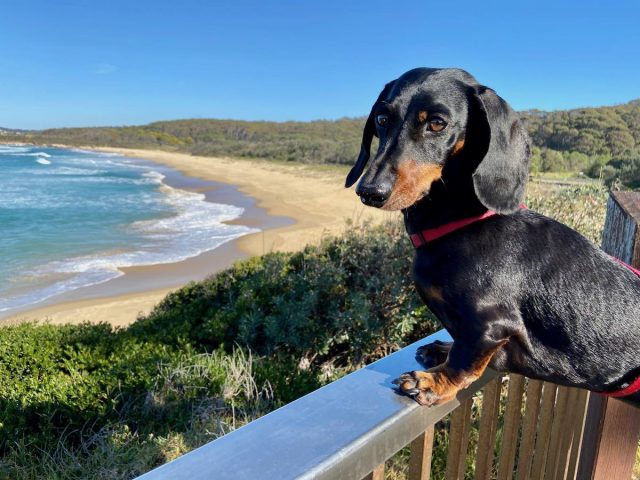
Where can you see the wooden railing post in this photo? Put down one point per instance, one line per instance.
(421, 454)
(612, 427)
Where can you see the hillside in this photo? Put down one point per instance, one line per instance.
(601, 142)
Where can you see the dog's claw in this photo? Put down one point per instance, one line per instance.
(407, 384)
(405, 377)
(422, 400)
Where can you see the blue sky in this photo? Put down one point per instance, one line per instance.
(81, 63)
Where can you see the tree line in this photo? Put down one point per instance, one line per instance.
(602, 142)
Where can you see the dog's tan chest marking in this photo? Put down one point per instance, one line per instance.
(434, 293)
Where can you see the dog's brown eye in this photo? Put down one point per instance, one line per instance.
(382, 120)
(436, 124)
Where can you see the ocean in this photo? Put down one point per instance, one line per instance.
(72, 218)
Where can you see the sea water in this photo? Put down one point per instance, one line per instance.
(71, 218)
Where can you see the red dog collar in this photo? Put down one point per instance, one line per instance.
(631, 389)
(430, 234)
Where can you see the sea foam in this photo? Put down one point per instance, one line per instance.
(29, 154)
(106, 213)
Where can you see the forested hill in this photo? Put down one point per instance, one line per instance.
(603, 141)
(592, 131)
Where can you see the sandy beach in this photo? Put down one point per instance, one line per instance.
(313, 199)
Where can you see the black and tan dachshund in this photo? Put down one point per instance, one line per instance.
(517, 291)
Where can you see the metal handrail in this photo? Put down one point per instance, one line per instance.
(340, 431)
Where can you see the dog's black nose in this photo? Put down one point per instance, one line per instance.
(374, 195)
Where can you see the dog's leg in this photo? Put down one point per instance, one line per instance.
(440, 384)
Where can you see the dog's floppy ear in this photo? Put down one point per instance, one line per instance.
(367, 137)
(500, 178)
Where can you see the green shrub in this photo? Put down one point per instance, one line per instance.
(193, 400)
(71, 378)
(583, 208)
(322, 303)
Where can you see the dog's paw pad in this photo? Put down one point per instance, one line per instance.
(406, 381)
(418, 386)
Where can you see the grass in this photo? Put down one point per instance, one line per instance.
(565, 176)
(231, 398)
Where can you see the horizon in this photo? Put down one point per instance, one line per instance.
(76, 64)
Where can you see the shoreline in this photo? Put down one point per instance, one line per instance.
(313, 200)
(162, 277)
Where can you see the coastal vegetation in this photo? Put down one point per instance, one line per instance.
(602, 142)
(94, 401)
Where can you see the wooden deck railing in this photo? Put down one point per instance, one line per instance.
(500, 427)
(537, 435)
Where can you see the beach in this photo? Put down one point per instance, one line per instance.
(293, 205)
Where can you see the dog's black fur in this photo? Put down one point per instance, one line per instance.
(518, 291)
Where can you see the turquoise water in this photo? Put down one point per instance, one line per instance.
(71, 218)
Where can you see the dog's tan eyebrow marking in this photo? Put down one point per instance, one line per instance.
(422, 116)
(457, 147)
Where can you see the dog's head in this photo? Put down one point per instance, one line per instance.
(437, 125)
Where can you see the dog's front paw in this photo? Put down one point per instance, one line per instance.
(421, 386)
(433, 354)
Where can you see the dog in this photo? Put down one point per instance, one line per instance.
(517, 291)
